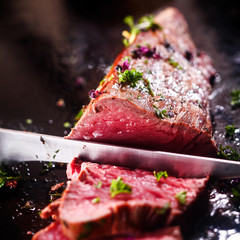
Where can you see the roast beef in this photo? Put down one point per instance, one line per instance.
(54, 232)
(87, 210)
(168, 108)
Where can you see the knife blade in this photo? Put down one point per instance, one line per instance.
(27, 146)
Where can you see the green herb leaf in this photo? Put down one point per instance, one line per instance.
(119, 186)
(129, 20)
(48, 167)
(99, 185)
(235, 95)
(160, 113)
(130, 77)
(80, 113)
(67, 125)
(147, 22)
(164, 209)
(5, 177)
(174, 63)
(96, 200)
(181, 197)
(147, 83)
(160, 174)
(228, 153)
(236, 191)
(29, 121)
(230, 130)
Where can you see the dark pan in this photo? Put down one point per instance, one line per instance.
(61, 49)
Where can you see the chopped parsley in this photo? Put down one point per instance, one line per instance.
(67, 125)
(8, 180)
(174, 63)
(235, 98)
(230, 130)
(160, 174)
(147, 23)
(130, 77)
(119, 186)
(148, 86)
(160, 113)
(181, 197)
(29, 121)
(144, 24)
(99, 185)
(56, 152)
(236, 191)
(80, 113)
(228, 153)
(164, 209)
(96, 200)
(48, 166)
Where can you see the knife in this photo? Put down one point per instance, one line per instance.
(27, 146)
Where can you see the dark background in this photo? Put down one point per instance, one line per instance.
(61, 49)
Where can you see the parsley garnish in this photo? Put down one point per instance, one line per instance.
(164, 209)
(48, 166)
(228, 153)
(181, 197)
(130, 76)
(174, 63)
(230, 130)
(147, 22)
(67, 125)
(5, 179)
(119, 186)
(56, 152)
(29, 121)
(148, 86)
(160, 113)
(160, 174)
(80, 113)
(96, 200)
(235, 101)
(144, 24)
(99, 185)
(236, 191)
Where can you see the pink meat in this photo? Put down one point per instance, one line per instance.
(125, 213)
(54, 232)
(126, 115)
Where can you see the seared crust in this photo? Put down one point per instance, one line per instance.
(127, 116)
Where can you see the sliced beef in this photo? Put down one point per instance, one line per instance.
(54, 232)
(88, 211)
(168, 109)
(51, 232)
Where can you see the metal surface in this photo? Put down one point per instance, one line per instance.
(25, 146)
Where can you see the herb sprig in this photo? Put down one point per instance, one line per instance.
(160, 174)
(228, 153)
(130, 77)
(230, 130)
(119, 186)
(181, 197)
(235, 98)
(8, 180)
(144, 24)
(174, 63)
(160, 113)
